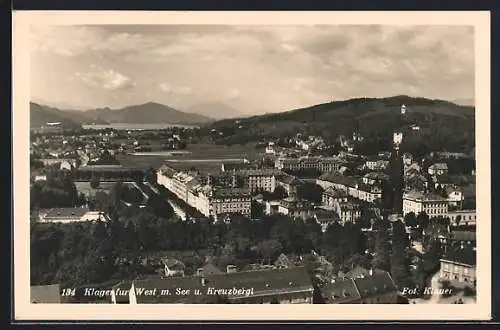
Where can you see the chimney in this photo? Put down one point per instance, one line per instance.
(209, 179)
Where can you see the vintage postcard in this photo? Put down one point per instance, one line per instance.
(334, 163)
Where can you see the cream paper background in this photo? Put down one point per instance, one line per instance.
(24, 310)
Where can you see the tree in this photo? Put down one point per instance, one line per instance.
(150, 176)
(94, 182)
(160, 207)
(310, 191)
(279, 193)
(411, 220)
(269, 248)
(423, 220)
(382, 250)
(400, 266)
(257, 210)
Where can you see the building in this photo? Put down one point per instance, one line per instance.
(259, 179)
(210, 200)
(432, 205)
(70, 215)
(462, 217)
(376, 164)
(63, 162)
(46, 294)
(348, 211)
(208, 269)
(375, 288)
(463, 237)
(353, 186)
(373, 178)
(325, 217)
(331, 195)
(455, 196)
(438, 169)
(322, 164)
(272, 207)
(288, 182)
(225, 201)
(173, 267)
(284, 286)
(294, 208)
(459, 267)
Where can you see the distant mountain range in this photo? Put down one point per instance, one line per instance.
(216, 109)
(147, 113)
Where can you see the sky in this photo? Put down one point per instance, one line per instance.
(252, 68)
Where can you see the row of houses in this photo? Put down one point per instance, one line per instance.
(358, 188)
(290, 285)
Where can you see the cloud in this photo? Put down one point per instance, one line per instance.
(181, 90)
(234, 93)
(105, 78)
(284, 65)
(165, 87)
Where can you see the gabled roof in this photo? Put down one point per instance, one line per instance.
(340, 291)
(378, 283)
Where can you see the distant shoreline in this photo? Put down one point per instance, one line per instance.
(136, 126)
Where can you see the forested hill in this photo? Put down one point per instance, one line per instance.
(442, 123)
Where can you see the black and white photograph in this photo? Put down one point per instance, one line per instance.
(284, 162)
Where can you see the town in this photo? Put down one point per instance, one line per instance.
(296, 219)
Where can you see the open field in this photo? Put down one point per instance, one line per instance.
(84, 187)
(203, 156)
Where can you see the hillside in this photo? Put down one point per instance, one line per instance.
(42, 114)
(147, 113)
(216, 110)
(442, 123)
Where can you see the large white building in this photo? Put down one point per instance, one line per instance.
(209, 200)
(432, 205)
(323, 164)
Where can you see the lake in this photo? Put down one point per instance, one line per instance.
(135, 127)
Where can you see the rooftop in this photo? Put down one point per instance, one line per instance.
(231, 192)
(416, 195)
(66, 212)
(462, 256)
(340, 291)
(263, 282)
(378, 283)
